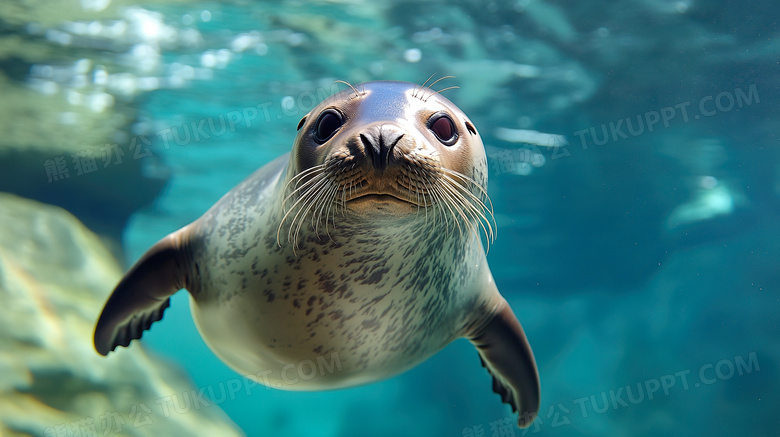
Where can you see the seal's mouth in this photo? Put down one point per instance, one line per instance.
(372, 204)
(318, 198)
(384, 198)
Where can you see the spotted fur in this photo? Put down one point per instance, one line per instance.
(384, 292)
(361, 246)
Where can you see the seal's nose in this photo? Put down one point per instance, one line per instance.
(379, 142)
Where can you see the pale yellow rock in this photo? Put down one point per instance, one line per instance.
(54, 278)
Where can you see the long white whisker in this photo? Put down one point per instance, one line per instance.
(447, 204)
(467, 209)
(332, 194)
(413, 188)
(288, 211)
(319, 203)
(303, 174)
(343, 200)
(473, 183)
(452, 206)
(433, 203)
(489, 210)
(303, 186)
(439, 91)
(303, 199)
(310, 197)
(475, 209)
(423, 86)
(329, 198)
(439, 80)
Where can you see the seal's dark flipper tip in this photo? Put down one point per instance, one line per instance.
(506, 354)
(141, 296)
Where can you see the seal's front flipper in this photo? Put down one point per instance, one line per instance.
(506, 354)
(141, 296)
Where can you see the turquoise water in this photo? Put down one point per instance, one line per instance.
(634, 170)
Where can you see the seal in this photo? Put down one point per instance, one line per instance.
(364, 243)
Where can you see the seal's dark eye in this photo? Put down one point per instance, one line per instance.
(328, 123)
(444, 129)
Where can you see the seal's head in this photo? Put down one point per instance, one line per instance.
(392, 149)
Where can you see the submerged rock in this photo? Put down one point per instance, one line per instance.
(54, 277)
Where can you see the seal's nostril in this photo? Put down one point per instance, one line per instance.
(390, 142)
(389, 136)
(379, 144)
(372, 148)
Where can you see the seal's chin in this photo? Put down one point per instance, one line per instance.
(384, 204)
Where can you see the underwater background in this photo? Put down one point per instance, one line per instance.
(634, 162)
